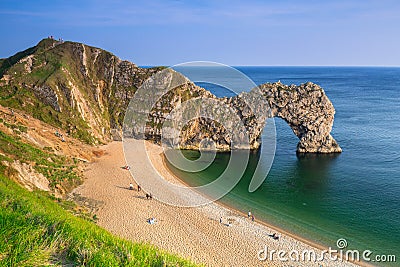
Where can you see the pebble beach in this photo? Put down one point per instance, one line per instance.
(212, 234)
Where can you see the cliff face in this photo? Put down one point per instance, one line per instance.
(86, 91)
(236, 122)
(82, 89)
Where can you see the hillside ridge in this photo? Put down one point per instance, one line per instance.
(76, 87)
(86, 91)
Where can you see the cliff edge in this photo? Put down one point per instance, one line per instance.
(86, 91)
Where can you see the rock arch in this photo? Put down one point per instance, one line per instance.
(305, 108)
(308, 112)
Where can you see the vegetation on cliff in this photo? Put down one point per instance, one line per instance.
(38, 228)
(79, 88)
(86, 91)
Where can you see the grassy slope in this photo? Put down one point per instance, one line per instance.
(56, 168)
(56, 66)
(38, 230)
(35, 228)
(6, 63)
(47, 71)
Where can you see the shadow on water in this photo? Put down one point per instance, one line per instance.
(307, 174)
(311, 172)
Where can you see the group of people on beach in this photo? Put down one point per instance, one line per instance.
(274, 235)
(148, 196)
(139, 188)
(250, 215)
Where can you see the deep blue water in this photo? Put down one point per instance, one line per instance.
(354, 195)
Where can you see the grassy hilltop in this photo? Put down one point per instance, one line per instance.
(82, 89)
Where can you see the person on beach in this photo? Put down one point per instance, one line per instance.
(252, 217)
(130, 186)
(249, 214)
(139, 188)
(220, 219)
(275, 236)
(152, 220)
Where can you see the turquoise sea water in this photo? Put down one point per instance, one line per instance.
(354, 195)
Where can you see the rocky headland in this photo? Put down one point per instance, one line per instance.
(86, 91)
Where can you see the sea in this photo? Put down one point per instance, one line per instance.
(354, 195)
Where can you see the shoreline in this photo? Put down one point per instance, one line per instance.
(193, 233)
(241, 213)
(264, 223)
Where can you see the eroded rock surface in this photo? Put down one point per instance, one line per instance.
(86, 91)
(305, 108)
(199, 120)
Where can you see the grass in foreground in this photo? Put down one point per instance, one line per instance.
(36, 231)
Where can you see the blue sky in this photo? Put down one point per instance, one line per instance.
(230, 32)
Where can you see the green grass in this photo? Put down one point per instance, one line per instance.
(47, 71)
(36, 231)
(56, 67)
(6, 63)
(18, 127)
(56, 168)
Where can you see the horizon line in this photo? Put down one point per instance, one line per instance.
(304, 66)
